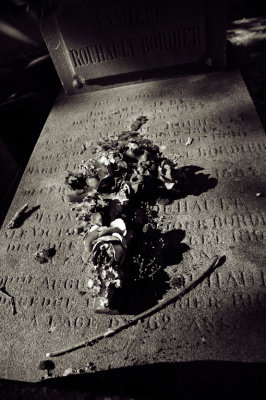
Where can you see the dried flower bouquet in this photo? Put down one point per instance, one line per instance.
(110, 195)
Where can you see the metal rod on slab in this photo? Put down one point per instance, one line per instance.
(215, 261)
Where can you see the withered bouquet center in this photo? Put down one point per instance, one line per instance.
(112, 195)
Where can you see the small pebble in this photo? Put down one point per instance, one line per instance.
(90, 283)
(258, 194)
(189, 141)
(69, 371)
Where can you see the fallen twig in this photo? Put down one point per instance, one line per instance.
(14, 222)
(215, 262)
(3, 290)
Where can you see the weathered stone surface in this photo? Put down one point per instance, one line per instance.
(89, 40)
(224, 318)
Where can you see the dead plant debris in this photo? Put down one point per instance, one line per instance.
(43, 255)
(19, 215)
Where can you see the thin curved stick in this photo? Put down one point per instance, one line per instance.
(215, 262)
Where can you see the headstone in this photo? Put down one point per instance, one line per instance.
(91, 41)
(210, 123)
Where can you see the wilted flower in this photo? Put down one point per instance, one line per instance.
(105, 248)
(144, 173)
(132, 149)
(126, 171)
(124, 194)
(165, 174)
(91, 209)
(76, 181)
(98, 234)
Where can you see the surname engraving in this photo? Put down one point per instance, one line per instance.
(236, 221)
(198, 205)
(99, 53)
(255, 147)
(129, 47)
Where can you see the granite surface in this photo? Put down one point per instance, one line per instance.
(224, 213)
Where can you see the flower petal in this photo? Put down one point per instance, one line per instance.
(108, 238)
(119, 223)
(88, 241)
(169, 185)
(110, 231)
(119, 252)
(118, 236)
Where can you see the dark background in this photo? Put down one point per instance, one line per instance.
(29, 85)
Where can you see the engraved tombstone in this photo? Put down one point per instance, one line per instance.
(93, 40)
(223, 318)
(209, 124)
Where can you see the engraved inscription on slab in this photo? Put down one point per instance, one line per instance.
(209, 124)
(142, 43)
(95, 39)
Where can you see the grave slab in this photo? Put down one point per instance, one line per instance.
(209, 123)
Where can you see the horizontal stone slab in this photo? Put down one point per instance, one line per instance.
(209, 123)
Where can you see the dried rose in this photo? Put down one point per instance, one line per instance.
(110, 169)
(106, 247)
(145, 173)
(107, 244)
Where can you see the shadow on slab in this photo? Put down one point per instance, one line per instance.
(146, 280)
(198, 181)
(211, 379)
(142, 292)
(169, 380)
